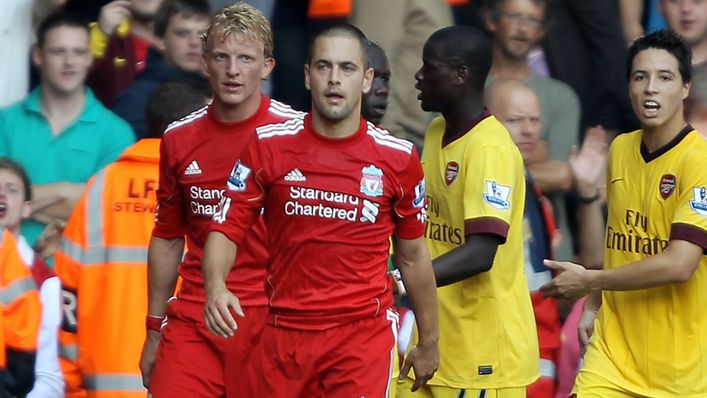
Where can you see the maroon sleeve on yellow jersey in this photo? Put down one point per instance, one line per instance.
(409, 210)
(244, 196)
(169, 220)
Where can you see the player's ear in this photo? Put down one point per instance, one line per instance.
(268, 66)
(686, 89)
(306, 77)
(367, 80)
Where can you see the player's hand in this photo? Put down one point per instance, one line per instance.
(424, 360)
(571, 283)
(217, 313)
(585, 328)
(147, 357)
(112, 14)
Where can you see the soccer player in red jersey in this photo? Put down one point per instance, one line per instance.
(197, 154)
(333, 187)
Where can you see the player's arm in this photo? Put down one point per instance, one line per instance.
(164, 253)
(586, 321)
(240, 206)
(470, 259)
(674, 265)
(413, 260)
(219, 256)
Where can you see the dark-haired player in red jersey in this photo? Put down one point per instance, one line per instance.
(333, 187)
(197, 154)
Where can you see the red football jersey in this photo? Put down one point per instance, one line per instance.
(331, 205)
(196, 156)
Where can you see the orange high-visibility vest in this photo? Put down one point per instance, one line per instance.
(20, 308)
(325, 9)
(102, 263)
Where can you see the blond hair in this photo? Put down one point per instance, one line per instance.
(240, 19)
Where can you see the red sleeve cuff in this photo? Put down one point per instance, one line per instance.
(689, 233)
(487, 225)
(235, 236)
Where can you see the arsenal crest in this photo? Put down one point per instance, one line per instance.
(450, 174)
(372, 181)
(667, 186)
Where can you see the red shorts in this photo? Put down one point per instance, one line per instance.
(351, 360)
(192, 362)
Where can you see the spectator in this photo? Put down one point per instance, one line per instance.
(696, 105)
(179, 24)
(688, 18)
(16, 203)
(375, 102)
(517, 26)
(16, 17)
(103, 255)
(120, 40)
(20, 316)
(60, 133)
(401, 27)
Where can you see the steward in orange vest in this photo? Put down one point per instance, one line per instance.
(102, 260)
(20, 315)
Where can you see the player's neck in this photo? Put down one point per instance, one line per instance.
(460, 119)
(236, 113)
(335, 128)
(504, 67)
(658, 136)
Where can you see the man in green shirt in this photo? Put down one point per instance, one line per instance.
(60, 133)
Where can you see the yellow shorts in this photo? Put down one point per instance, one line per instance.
(591, 385)
(451, 392)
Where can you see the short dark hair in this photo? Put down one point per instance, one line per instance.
(58, 19)
(465, 46)
(372, 44)
(664, 39)
(17, 169)
(170, 8)
(172, 101)
(341, 29)
(494, 7)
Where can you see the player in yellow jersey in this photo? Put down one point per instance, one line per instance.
(475, 186)
(650, 334)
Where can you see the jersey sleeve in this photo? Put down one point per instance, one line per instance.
(410, 208)
(690, 218)
(169, 220)
(490, 178)
(244, 196)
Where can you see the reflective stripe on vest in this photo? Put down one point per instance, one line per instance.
(547, 368)
(102, 255)
(94, 211)
(70, 351)
(16, 289)
(113, 382)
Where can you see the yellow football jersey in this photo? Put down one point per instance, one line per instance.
(653, 342)
(476, 184)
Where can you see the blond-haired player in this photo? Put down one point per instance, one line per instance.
(196, 158)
